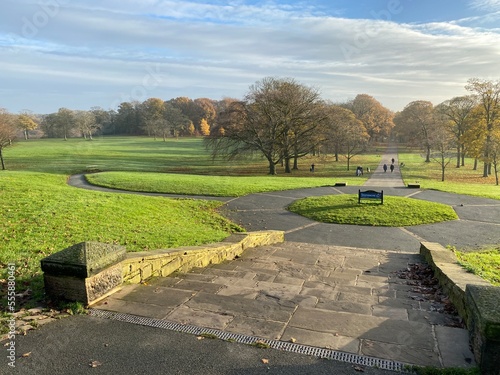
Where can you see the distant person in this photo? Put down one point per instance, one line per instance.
(312, 167)
(392, 168)
(385, 167)
(392, 160)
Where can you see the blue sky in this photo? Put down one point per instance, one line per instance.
(84, 53)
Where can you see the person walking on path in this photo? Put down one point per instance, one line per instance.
(385, 167)
(392, 168)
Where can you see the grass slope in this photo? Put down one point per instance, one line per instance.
(40, 214)
(222, 186)
(485, 264)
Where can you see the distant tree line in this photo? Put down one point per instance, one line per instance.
(154, 117)
(284, 120)
(462, 126)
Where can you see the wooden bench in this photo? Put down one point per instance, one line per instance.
(414, 186)
(371, 194)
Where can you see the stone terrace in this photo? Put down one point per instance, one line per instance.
(335, 297)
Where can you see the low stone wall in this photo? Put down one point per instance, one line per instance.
(88, 271)
(138, 267)
(477, 303)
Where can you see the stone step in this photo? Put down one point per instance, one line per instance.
(340, 298)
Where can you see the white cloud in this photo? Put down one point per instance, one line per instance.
(488, 5)
(97, 52)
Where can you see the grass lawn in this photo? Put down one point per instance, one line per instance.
(395, 212)
(462, 180)
(221, 186)
(484, 263)
(40, 214)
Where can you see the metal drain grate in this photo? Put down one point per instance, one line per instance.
(245, 339)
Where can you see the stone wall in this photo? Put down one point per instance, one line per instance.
(477, 303)
(89, 271)
(138, 267)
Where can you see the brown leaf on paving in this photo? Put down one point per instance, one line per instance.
(265, 361)
(26, 354)
(360, 369)
(95, 364)
(293, 339)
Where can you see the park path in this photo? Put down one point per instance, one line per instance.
(381, 178)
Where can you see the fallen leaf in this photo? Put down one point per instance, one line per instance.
(200, 338)
(360, 369)
(26, 354)
(95, 364)
(265, 361)
(293, 339)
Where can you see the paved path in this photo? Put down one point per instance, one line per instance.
(328, 286)
(343, 299)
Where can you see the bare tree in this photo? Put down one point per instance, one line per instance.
(85, 122)
(488, 96)
(7, 132)
(277, 118)
(459, 111)
(417, 122)
(443, 145)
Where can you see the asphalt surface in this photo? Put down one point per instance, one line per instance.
(72, 345)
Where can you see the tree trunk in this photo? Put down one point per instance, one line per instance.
(287, 165)
(442, 168)
(1, 159)
(428, 155)
(463, 156)
(272, 167)
(475, 165)
(26, 135)
(485, 170)
(295, 163)
(458, 156)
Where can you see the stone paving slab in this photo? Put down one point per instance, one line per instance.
(340, 298)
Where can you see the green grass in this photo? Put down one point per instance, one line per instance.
(462, 180)
(485, 263)
(222, 186)
(142, 154)
(40, 214)
(395, 212)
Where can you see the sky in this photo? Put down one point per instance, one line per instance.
(80, 54)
